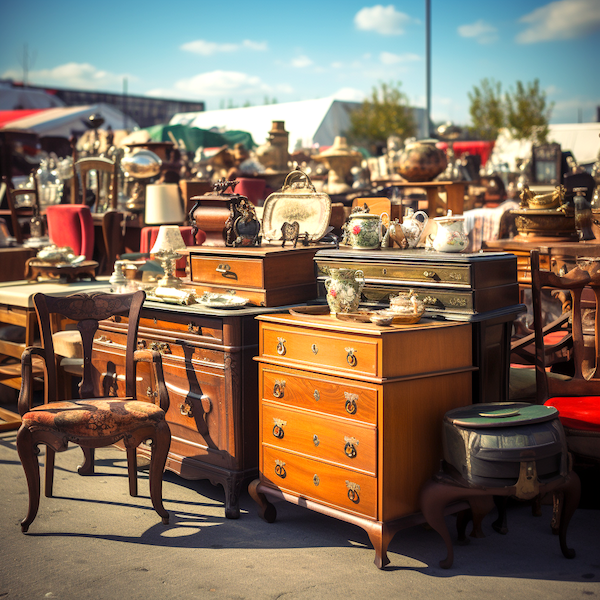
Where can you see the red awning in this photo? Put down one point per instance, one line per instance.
(6, 116)
(484, 149)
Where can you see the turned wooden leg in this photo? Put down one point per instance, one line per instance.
(266, 510)
(49, 472)
(380, 536)
(571, 493)
(462, 520)
(132, 471)
(557, 506)
(233, 489)
(481, 506)
(158, 460)
(29, 460)
(87, 466)
(500, 525)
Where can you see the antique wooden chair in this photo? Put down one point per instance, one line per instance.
(91, 422)
(20, 215)
(577, 398)
(107, 181)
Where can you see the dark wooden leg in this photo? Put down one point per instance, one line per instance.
(233, 488)
(266, 510)
(462, 520)
(536, 506)
(380, 537)
(158, 460)
(571, 494)
(87, 466)
(481, 506)
(132, 471)
(557, 505)
(49, 472)
(500, 525)
(29, 460)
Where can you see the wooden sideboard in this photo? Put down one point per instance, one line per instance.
(212, 382)
(351, 416)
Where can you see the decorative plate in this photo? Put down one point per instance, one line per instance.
(221, 300)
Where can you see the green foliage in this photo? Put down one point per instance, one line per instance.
(526, 114)
(486, 110)
(523, 111)
(385, 113)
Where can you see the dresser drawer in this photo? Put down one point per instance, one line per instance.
(316, 348)
(338, 487)
(330, 395)
(228, 270)
(330, 439)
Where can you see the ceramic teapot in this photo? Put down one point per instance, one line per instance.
(363, 230)
(412, 226)
(450, 236)
(344, 287)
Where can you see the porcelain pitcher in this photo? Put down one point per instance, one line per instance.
(412, 226)
(344, 287)
(450, 236)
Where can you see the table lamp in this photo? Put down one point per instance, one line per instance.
(168, 241)
(163, 204)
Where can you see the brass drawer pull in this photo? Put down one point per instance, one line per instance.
(141, 345)
(351, 403)
(151, 393)
(317, 395)
(161, 347)
(430, 301)
(316, 479)
(350, 357)
(278, 431)
(279, 388)
(353, 491)
(186, 409)
(316, 441)
(350, 447)
(223, 269)
(194, 328)
(280, 469)
(103, 338)
(314, 349)
(281, 346)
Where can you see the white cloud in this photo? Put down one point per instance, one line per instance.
(350, 94)
(385, 20)
(481, 31)
(75, 75)
(388, 58)
(205, 48)
(301, 62)
(562, 20)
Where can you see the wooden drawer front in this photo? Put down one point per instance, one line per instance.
(403, 273)
(343, 489)
(227, 270)
(329, 395)
(325, 438)
(199, 330)
(352, 355)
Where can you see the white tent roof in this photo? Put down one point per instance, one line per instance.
(71, 120)
(582, 139)
(15, 98)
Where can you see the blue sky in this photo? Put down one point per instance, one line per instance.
(229, 52)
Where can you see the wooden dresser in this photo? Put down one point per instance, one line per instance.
(351, 416)
(212, 382)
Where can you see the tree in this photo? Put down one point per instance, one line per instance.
(526, 114)
(385, 113)
(486, 110)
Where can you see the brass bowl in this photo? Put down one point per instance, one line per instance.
(544, 223)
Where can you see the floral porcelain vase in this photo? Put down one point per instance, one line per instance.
(363, 231)
(344, 287)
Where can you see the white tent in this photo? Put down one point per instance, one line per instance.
(15, 98)
(309, 122)
(71, 120)
(582, 139)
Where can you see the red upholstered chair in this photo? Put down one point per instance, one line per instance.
(92, 421)
(149, 234)
(577, 398)
(72, 225)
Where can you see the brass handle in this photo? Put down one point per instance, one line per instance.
(314, 349)
(316, 479)
(279, 388)
(351, 404)
(194, 328)
(429, 274)
(317, 395)
(186, 409)
(350, 447)
(154, 346)
(278, 431)
(280, 469)
(353, 492)
(141, 345)
(316, 440)
(223, 268)
(151, 393)
(281, 350)
(164, 348)
(103, 338)
(350, 357)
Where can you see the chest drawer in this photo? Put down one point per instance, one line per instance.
(315, 348)
(346, 490)
(330, 395)
(330, 439)
(228, 271)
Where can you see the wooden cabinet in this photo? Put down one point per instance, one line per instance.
(351, 416)
(212, 383)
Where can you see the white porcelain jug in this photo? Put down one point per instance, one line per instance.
(450, 236)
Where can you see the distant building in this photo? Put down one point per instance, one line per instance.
(144, 110)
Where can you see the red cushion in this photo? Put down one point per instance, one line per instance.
(578, 412)
(71, 225)
(93, 418)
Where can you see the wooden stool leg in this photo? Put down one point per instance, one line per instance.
(571, 493)
(132, 471)
(29, 460)
(158, 460)
(87, 466)
(49, 472)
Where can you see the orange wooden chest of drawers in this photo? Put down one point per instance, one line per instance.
(351, 416)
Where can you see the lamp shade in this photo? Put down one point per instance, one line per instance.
(168, 240)
(163, 204)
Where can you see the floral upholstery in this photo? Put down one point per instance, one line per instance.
(93, 418)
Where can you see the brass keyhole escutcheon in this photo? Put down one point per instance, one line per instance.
(316, 441)
(351, 357)
(314, 349)
(186, 409)
(351, 403)
(280, 469)
(279, 389)
(281, 346)
(316, 480)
